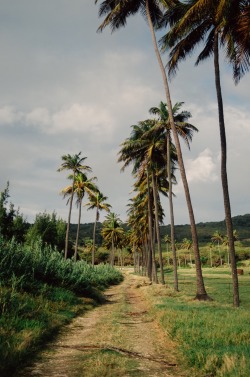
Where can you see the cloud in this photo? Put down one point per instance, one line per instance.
(203, 168)
(9, 115)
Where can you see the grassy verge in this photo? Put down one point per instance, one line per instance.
(39, 293)
(213, 337)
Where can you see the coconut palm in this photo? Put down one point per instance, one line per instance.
(235, 16)
(82, 185)
(147, 152)
(73, 163)
(184, 130)
(197, 21)
(116, 13)
(138, 219)
(97, 200)
(112, 233)
(218, 238)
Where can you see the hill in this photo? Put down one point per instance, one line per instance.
(205, 230)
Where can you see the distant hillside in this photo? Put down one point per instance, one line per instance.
(205, 230)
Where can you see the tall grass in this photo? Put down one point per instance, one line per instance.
(40, 291)
(33, 265)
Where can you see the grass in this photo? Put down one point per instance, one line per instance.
(39, 293)
(106, 363)
(214, 337)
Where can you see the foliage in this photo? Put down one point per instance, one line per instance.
(36, 264)
(206, 230)
(38, 293)
(12, 223)
(48, 229)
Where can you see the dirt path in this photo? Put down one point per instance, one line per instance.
(120, 338)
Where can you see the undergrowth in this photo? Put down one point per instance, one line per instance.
(39, 292)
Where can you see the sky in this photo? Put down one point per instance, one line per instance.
(65, 89)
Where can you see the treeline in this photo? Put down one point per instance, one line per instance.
(40, 290)
(205, 230)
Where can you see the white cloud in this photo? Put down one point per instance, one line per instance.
(203, 168)
(65, 89)
(9, 115)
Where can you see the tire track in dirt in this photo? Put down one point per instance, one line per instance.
(122, 328)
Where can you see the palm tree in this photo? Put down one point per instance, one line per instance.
(146, 150)
(235, 33)
(113, 233)
(196, 21)
(81, 186)
(184, 130)
(97, 200)
(226, 243)
(139, 222)
(75, 164)
(218, 238)
(117, 13)
(187, 244)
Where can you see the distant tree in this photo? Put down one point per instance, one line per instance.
(19, 227)
(113, 233)
(6, 216)
(75, 165)
(48, 229)
(167, 239)
(218, 238)
(12, 223)
(82, 185)
(98, 201)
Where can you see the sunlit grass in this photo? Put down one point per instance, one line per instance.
(214, 337)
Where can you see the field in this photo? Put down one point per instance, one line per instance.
(213, 336)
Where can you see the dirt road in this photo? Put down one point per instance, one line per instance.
(121, 338)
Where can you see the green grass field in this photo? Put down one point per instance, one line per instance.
(214, 337)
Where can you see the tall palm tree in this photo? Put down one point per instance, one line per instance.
(184, 130)
(74, 163)
(197, 21)
(97, 200)
(147, 152)
(117, 13)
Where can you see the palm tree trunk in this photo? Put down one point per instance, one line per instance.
(201, 293)
(171, 210)
(78, 229)
(94, 233)
(69, 218)
(151, 261)
(224, 180)
(112, 259)
(157, 227)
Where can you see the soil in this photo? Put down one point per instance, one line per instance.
(120, 338)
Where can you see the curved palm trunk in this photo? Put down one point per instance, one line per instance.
(171, 210)
(69, 218)
(78, 229)
(201, 291)
(224, 180)
(157, 227)
(94, 233)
